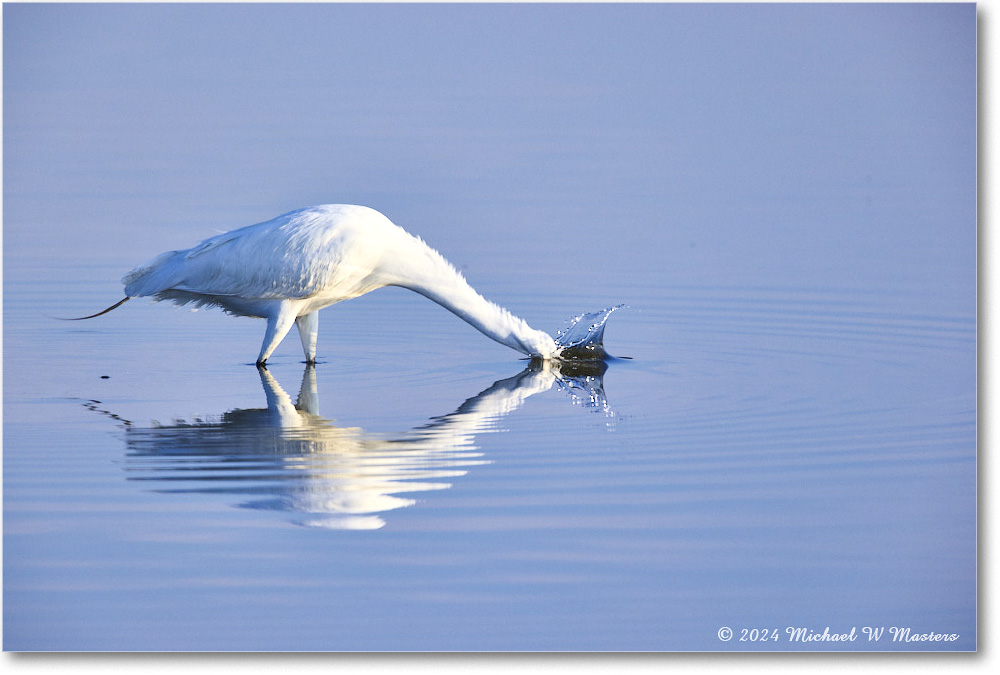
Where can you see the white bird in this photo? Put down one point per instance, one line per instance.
(287, 269)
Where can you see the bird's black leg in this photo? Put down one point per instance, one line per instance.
(308, 326)
(278, 324)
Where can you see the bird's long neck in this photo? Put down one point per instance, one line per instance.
(424, 270)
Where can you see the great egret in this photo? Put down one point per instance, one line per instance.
(287, 269)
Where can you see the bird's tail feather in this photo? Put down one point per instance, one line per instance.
(105, 311)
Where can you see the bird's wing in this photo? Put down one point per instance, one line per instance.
(332, 250)
(297, 255)
(260, 261)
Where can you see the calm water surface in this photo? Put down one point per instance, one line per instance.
(787, 439)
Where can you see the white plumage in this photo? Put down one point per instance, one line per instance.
(286, 269)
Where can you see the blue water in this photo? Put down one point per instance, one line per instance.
(785, 440)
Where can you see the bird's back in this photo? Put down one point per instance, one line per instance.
(334, 250)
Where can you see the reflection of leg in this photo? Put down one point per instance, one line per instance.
(281, 411)
(308, 326)
(278, 325)
(308, 400)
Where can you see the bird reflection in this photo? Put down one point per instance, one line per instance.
(286, 457)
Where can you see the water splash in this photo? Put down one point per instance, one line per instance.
(583, 338)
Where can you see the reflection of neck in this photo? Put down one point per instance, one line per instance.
(424, 270)
(482, 411)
